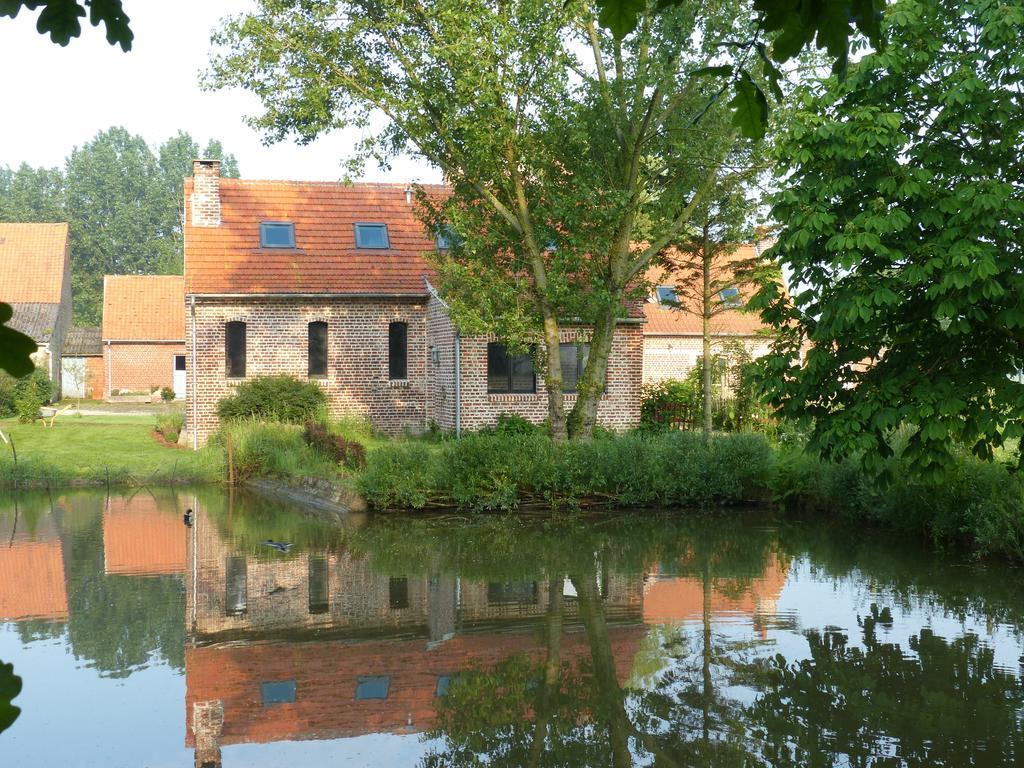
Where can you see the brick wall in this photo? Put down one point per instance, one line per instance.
(95, 377)
(140, 365)
(673, 357)
(357, 383)
(619, 407)
(440, 366)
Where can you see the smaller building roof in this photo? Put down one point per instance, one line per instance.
(143, 308)
(33, 261)
(83, 342)
(685, 320)
(36, 320)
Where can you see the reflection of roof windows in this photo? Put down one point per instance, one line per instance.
(731, 297)
(277, 234)
(282, 692)
(373, 687)
(667, 295)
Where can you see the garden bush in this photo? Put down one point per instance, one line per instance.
(167, 394)
(170, 425)
(30, 393)
(274, 398)
(337, 448)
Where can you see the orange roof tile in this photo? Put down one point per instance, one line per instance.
(228, 258)
(143, 307)
(686, 321)
(34, 259)
(140, 539)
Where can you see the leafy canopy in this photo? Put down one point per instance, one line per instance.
(902, 224)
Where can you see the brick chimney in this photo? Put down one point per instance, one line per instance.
(206, 193)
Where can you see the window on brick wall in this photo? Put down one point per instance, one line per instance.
(319, 585)
(236, 586)
(318, 348)
(507, 374)
(574, 359)
(398, 351)
(277, 234)
(234, 349)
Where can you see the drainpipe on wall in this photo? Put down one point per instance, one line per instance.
(192, 366)
(458, 388)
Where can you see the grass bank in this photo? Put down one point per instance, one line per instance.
(94, 450)
(976, 505)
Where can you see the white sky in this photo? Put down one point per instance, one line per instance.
(54, 98)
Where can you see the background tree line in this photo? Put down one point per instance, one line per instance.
(123, 200)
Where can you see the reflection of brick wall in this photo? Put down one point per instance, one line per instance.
(141, 365)
(358, 380)
(619, 407)
(325, 675)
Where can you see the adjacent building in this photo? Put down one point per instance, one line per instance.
(673, 333)
(35, 279)
(327, 282)
(144, 334)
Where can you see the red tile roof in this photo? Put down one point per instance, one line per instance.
(33, 261)
(228, 259)
(143, 307)
(686, 321)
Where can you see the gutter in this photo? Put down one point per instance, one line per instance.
(292, 295)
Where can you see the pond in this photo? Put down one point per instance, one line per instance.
(628, 638)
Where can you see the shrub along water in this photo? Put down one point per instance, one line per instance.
(505, 471)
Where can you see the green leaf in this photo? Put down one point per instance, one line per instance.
(10, 687)
(749, 108)
(16, 348)
(620, 16)
(722, 71)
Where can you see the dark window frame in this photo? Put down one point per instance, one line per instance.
(321, 357)
(581, 362)
(267, 226)
(319, 585)
(398, 350)
(275, 692)
(372, 680)
(235, 359)
(398, 593)
(358, 228)
(493, 348)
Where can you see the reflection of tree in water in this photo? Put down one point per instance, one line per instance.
(935, 703)
(118, 622)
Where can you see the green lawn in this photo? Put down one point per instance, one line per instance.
(93, 448)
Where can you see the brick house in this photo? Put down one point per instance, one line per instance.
(144, 333)
(327, 282)
(673, 335)
(83, 373)
(35, 279)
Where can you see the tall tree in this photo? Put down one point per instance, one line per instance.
(556, 139)
(707, 273)
(32, 194)
(903, 225)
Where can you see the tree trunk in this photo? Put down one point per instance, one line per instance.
(552, 669)
(708, 691)
(553, 377)
(706, 335)
(610, 699)
(592, 384)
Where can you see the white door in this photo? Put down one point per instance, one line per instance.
(179, 376)
(72, 376)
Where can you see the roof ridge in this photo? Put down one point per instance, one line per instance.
(340, 184)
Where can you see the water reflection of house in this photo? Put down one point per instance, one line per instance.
(142, 537)
(672, 598)
(32, 570)
(368, 652)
